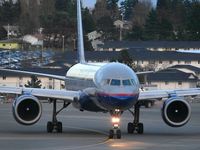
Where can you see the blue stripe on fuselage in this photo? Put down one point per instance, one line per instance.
(121, 102)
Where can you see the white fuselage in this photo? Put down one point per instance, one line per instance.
(113, 84)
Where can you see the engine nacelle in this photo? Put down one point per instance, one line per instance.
(27, 110)
(176, 112)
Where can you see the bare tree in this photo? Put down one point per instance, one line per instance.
(140, 12)
(100, 10)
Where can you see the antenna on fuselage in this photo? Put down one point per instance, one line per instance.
(81, 54)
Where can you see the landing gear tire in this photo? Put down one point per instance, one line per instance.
(115, 134)
(59, 127)
(49, 127)
(111, 134)
(54, 127)
(118, 134)
(140, 129)
(130, 128)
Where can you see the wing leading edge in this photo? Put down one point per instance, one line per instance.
(158, 94)
(42, 93)
(36, 73)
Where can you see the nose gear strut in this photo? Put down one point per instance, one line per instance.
(115, 132)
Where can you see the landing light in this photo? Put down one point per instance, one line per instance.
(115, 120)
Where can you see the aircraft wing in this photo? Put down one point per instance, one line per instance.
(42, 93)
(36, 74)
(159, 94)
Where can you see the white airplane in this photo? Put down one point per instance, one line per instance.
(111, 87)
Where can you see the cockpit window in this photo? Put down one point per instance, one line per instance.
(108, 81)
(133, 81)
(126, 82)
(115, 82)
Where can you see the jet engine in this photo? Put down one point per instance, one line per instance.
(27, 110)
(176, 112)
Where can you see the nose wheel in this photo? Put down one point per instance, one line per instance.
(115, 132)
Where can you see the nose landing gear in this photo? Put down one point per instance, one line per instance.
(115, 132)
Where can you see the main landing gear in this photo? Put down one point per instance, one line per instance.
(115, 132)
(55, 125)
(135, 125)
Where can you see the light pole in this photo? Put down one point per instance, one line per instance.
(8, 32)
(63, 44)
(74, 41)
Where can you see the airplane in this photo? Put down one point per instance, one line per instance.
(106, 87)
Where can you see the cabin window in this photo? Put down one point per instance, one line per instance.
(108, 81)
(126, 82)
(115, 82)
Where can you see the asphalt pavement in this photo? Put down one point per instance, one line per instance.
(89, 131)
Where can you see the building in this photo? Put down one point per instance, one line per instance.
(94, 38)
(34, 40)
(19, 80)
(12, 31)
(10, 44)
(149, 45)
(156, 60)
(160, 60)
(189, 69)
(126, 25)
(172, 79)
(94, 35)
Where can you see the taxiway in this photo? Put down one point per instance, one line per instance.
(89, 131)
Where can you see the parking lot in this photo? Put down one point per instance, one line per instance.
(17, 59)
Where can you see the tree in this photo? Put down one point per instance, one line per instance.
(151, 26)
(166, 30)
(125, 58)
(112, 6)
(9, 12)
(34, 83)
(105, 24)
(29, 21)
(140, 13)
(193, 20)
(88, 22)
(100, 10)
(136, 33)
(127, 8)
